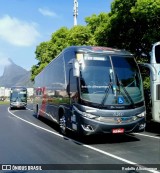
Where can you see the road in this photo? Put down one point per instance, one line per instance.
(26, 140)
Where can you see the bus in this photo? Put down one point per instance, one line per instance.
(154, 68)
(91, 90)
(18, 97)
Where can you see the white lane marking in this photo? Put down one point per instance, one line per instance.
(140, 134)
(29, 109)
(34, 124)
(87, 146)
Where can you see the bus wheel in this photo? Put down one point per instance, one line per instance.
(62, 124)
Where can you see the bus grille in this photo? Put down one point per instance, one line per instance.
(117, 120)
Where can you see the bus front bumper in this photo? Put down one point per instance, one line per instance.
(89, 126)
(17, 105)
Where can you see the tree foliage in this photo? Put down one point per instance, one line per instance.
(97, 25)
(80, 35)
(133, 25)
(146, 14)
(62, 38)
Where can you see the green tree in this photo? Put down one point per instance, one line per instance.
(80, 35)
(146, 15)
(96, 25)
(42, 52)
(132, 25)
(59, 40)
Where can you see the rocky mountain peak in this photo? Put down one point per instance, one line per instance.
(14, 74)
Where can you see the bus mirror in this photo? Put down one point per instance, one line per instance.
(152, 70)
(76, 68)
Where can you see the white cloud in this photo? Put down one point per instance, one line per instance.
(17, 32)
(47, 12)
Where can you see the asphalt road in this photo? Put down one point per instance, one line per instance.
(25, 140)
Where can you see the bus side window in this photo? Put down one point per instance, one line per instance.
(157, 53)
(37, 92)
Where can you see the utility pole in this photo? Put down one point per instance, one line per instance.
(75, 12)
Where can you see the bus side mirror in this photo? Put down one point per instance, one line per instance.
(152, 70)
(76, 68)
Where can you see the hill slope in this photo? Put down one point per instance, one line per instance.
(15, 75)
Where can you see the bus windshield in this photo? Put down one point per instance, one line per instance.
(110, 80)
(18, 96)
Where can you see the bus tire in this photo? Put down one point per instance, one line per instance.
(62, 122)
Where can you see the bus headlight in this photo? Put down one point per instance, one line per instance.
(143, 114)
(89, 116)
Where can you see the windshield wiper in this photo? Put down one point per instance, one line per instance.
(126, 96)
(107, 91)
(106, 94)
(125, 91)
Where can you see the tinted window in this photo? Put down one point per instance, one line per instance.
(53, 74)
(157, 53)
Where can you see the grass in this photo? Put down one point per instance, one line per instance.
(4, 102)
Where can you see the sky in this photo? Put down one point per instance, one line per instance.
(24, 24)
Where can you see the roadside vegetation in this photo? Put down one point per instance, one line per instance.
(4, 102)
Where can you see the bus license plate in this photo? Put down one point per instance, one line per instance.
(120, 130)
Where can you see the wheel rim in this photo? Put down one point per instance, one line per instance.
(63, 124)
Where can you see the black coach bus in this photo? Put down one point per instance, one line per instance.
(92, 90)
(18, 97)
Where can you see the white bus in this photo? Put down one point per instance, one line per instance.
(154, 67)
(91, 90)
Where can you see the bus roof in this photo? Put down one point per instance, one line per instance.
(18, 87)
(97, 49)
(92, 49)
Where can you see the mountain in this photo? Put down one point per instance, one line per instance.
(15, 75)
